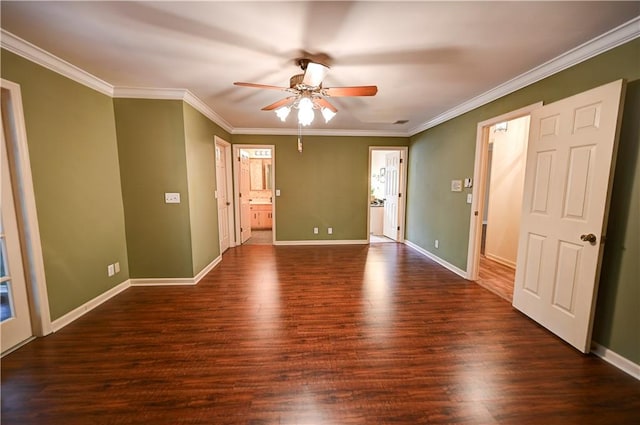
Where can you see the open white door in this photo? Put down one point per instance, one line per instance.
(392, 166)
(223, 196)
(245, 206)
(570, 159)
(15, 321)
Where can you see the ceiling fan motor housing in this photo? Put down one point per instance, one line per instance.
(295, 80)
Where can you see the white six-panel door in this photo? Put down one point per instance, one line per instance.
(245, 206)
(567, 182)
(223, 196)
(392, 168)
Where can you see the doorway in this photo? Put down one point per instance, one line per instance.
(224, 191)
(254, 197)
(387, 184)
(497, 200)
(502, 205)
(25, 308)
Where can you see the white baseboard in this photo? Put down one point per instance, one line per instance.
(78, 312)
(616, 360)
(161, 281)
(324, 242)
(177, 281)
(443, 263)
(500, 260)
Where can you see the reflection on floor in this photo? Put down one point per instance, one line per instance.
(497, 278)
(260, 237)
(379, 239)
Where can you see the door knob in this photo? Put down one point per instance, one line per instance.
(591, 238)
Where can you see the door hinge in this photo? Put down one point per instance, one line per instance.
(398, 228)
(399, 195)
(238, 159)
(400, 160)
(239, 195)
(475, 213)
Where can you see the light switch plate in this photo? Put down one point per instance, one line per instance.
(468, 182)
(456, 185)
(171, 198)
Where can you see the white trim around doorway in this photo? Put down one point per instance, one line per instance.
(236, 189)
(402, 189)
(479, 184)
(34, 263)
(229, 166)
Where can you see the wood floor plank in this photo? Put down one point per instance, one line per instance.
(312, 335)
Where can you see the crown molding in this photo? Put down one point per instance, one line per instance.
(148, 93)
(172, 94)
(319, 132)
(202, 107)
(607, 41)
(35, 54)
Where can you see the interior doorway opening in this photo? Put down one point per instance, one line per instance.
(31, 314)
(255, 194)
(387, 186)
(501, 147)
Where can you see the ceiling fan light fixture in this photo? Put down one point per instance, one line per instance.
(327, 114)
(305, 111)
(283, 113)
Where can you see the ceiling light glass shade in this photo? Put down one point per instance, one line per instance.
(283, 112)
(305, 111)
(327, 114)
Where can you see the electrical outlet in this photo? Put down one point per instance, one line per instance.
(111, 270)
(116, 266)
(315, 230)
(277, 192)
(437, 243)
(171, 198)
(330, 230)
(469, 198)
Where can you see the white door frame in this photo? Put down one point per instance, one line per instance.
(228, 165)
(479, 185)
(402, 188)
(26, 209)
(236, 186)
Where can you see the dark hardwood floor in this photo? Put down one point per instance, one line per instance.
(312, 335)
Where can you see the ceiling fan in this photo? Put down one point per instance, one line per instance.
(308, 93)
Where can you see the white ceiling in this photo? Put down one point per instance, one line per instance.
(425, 57)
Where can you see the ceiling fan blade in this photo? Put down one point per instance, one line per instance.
(282, 102)
(314, 74)
(324, 103)
(350, 91)
(259, 86)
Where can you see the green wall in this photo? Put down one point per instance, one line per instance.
(74, 161)
(617, 322)
(201, 176)
(324, 186)
(151, 146)
(446, 152)
(167, 146)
